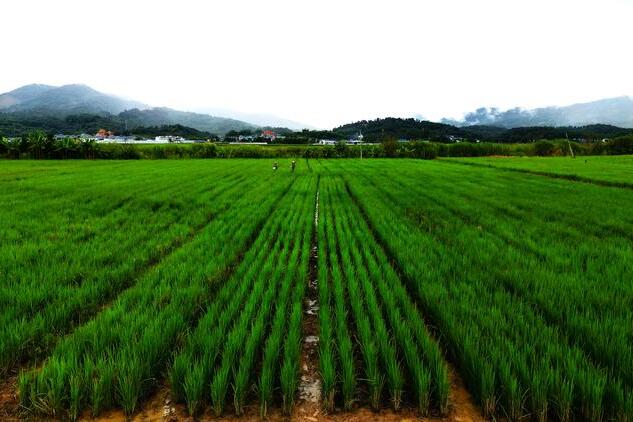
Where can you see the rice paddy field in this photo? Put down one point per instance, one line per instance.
(346, 290)
(609, 170)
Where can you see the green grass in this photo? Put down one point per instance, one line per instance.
(119, 277)
(607, 169)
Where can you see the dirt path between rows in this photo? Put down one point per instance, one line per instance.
(9, 404)
(310, 384)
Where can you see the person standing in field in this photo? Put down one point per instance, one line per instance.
(293, 165)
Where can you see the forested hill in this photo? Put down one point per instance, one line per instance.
(21, 123)
(391, 127)
(380, 129)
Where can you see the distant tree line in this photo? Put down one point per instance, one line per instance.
(22, 124)
(39, 145)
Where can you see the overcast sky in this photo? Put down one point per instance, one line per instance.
(325, 62)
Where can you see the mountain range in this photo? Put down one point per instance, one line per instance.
(51, 102)
(79, 107)
(616, 111)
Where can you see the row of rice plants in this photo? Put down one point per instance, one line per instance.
(327, 332)
(513, 360)
(45, 301)
(117, 358)
(224, 347)
(382, 344)
(560, 264)
(373, 266)
(336, 353)
(556, 263)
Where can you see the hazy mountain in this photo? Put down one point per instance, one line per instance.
(76, 101)
(259, 119)
(23, 94)
(159, 116)
(64, 100)
(616, 111)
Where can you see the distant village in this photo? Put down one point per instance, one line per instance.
(263, 137)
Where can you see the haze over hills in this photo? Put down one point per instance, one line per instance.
(259, 119)
(616, 111)
(45, 101)
(66, 99)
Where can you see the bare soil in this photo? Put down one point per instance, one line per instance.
(9, 404)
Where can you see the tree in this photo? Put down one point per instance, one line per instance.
(88, 148)
(341, 149)
(37, 143)
(14, 147)
(544, 148)
(390, 147)
(68, 146)
(3, 145)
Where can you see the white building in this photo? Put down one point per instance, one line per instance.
(166, 139)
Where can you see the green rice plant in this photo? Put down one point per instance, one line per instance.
(193, 388)
(271, 352)
(267, 380)
(591, 393)
(539, 405)
(219, 389)
(25, 389)
(76, 395)
(563, 399)
(327, 366)
(327, 371)
(343, 342)
(130, 383)
(375, 380)
(177, 373)
(51, 386)
(272, 347)
(512, 394)
(243, 375)
(103, 388)
(290, 366)
(348, 372)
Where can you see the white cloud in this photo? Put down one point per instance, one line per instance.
(325, 62)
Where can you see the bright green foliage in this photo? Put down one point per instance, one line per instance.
(119, 277)
(392, 343)
(527, 279)
(256, 313)
(606, 169)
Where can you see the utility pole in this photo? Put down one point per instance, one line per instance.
(571, 151)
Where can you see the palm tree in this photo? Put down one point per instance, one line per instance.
(88, 147)
(14, 145)
(37, 142)
(67, 145)
(3, 145)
